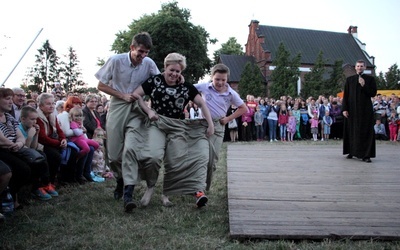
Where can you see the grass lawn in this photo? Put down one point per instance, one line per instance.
(88, 217)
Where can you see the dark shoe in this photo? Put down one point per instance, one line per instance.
(349, 156)
(81, 180)
(88, 178)
(119, 189)
(129, 204)
(368, 160)
(201, 199)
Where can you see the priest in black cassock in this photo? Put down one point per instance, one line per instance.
(358, 134)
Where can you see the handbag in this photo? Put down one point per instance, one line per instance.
(232, 124)
(31, 155)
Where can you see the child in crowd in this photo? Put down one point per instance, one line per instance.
(291, 126)
(233, 125)
(282, 121)
(327, 123)
(392, 120)
(42, 188)
(314, 126)
(100, 164)
(380, 131)
(258, 122)
(79, 137)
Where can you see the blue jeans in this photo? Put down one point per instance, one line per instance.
(283, 131)
(272, 124)
(260, 132)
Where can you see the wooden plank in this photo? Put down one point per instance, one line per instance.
(274, 195)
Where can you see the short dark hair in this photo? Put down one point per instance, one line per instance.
(26, 110)
(220, 68)
(142, 38)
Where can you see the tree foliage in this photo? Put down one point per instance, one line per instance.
(392, 77)
(335, 83)
(70, 72)
(45, 69)
(48, 69)
(286, 73)
(231, 47)
(251, 81)
(314, 81)
(171, 31)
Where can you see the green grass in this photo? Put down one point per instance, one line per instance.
(88, 217)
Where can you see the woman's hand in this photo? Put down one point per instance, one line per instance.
(16, 146)
(63, 143)
(152, 115)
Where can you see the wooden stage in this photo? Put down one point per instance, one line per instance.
(309, 190)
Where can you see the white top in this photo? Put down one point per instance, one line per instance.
(120, 74)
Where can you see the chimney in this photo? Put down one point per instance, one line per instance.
(352, 30)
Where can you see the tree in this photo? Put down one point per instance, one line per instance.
(251, 81)
(336, 81)
(231, 47)
(70, 71)
(286, 73)
(45, 69)
(393, 77)
(314, 81)
(171, 31)
(380, 81)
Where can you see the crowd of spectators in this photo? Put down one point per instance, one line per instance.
(36, 143)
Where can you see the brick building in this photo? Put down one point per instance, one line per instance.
(263, 42)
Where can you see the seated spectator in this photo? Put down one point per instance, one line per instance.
(92, 118)
(32, 103)
(54, 141)
(380, 131)
(42, 188)
(83, 164)
(5, 176)
(11, 142)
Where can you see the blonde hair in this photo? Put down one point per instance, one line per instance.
(173, 58)
(75, 111)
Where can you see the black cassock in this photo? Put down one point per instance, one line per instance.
(358, 134)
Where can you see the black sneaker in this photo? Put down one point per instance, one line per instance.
(129, 206)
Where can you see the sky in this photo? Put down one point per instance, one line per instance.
(90, 27)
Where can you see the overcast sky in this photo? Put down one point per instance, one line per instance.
(90, 27)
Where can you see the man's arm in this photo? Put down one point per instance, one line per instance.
(112, 92)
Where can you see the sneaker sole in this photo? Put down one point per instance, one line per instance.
(130, 206)
(202, 201)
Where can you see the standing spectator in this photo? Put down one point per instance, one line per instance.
(304, 118)
(358, 137)
(314, 126)
(282, 121)
(297, 115)
(258, 122)
(392, 120)
(233, 124)
(263, 109)
(337, 119)
(247, 119)
(326, 126)
(292, 123)
(272, 121)
(195, 112)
